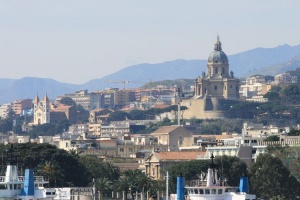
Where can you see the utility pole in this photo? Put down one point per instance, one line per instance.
(167, 186)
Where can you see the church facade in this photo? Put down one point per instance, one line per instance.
(41, 110)
(215, 91)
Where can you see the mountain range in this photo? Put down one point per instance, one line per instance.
(264, 61)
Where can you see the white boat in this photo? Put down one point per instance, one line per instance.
(28, 187)
(212, 188)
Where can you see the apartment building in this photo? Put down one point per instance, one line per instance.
(22, 105)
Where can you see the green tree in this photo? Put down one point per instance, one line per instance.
(292, 93)
(103, 185)
(68, 101)
(32, 155)
(118, 116)
(272, 138)
(51, 171)
(144, 183)
(123, 185)
(133, 176)
(294, 132)
(17, 129)
(137, 114)
(272, 96)
(6, 125)
(269, 178)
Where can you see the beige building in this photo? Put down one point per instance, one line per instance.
(215, 91)
(95, 129)
(158, 163)
(173, 136)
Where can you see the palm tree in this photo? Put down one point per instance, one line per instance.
(113, 171)
(102, 185)
(123, 185)
(144, 183)
(74, 153)
(132, 176)
(51, 171)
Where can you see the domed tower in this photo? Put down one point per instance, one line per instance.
(218, 62)
(218, 81)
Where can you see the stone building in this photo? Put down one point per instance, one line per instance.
(215, 91)
(173, 136)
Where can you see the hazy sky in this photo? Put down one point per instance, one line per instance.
(74, 41)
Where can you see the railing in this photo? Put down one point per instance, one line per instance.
(22, 179)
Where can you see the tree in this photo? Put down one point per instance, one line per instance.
(32, 155)
(269, 178)
(17, 129)
(133, 176)
(118, 116)
(292, 93)
(68, 101)
(272, 96)
(137, 115)
(123, 185)
(6, 125)
(294, 132)
(103, 185)
(51, 171)
(144, 183)
(272, 138)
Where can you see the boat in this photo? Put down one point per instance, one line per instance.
(28, 187)
(211, 188)
(31, 187)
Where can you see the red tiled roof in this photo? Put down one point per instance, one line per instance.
(161, 106)
(61, 108)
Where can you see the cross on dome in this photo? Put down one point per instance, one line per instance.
(218, 44)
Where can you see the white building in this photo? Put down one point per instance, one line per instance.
(285, 78)
(4, 110)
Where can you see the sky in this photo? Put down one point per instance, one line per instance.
(74, 41)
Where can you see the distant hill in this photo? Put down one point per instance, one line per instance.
(242, 64)
(265, 61)
(288, 65)
(29, 87)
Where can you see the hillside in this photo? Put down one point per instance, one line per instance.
(265, 61)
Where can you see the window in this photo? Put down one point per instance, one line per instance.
(201, 191)
(219, 191)
(213, 191)
(207, 191)
(122, 149)
(216, 70)
(196, 191)
(216, 87)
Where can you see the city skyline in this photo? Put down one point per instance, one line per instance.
(76, 41)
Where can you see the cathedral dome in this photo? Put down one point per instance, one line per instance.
(218, 56)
